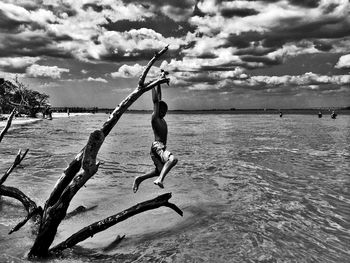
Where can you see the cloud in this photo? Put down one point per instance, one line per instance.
(14, 63)
(126, 71)
(343, 62)
(306, 79)
(97, 79)
(278, 28)
(134, 71)
(54, 72)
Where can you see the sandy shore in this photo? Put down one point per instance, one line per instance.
(26, 120)
(72, 114)
(20, 121)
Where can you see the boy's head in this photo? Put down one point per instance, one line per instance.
(163, 108)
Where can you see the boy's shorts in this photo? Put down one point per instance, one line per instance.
(159, 155)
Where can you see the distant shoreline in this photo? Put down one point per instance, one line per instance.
(324, 111)
(251, 111)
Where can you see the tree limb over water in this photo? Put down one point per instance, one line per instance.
(78, 172)
(89, 231)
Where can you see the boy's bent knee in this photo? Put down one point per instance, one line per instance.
(173, 160)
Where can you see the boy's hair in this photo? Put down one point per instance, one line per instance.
(163, 106)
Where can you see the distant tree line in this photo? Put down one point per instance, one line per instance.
(26, 101)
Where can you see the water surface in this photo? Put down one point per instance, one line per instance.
(253, 188)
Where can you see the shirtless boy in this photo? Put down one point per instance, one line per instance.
(162, 158)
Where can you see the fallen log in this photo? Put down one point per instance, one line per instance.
(91, 230)
(80, 209)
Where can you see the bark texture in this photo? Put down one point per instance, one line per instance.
(84, 166)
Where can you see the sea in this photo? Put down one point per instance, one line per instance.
(252, 187)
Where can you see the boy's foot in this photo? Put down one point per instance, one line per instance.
(160, 184)
(135, 186)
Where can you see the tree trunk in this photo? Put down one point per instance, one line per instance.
(83, 167)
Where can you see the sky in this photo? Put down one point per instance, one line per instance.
(222, 54)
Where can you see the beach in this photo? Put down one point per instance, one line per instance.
(253, 188)
(17, 121)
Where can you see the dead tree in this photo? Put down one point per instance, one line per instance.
(80, 170)
(13, 192)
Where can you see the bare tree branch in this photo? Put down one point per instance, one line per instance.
(29, 205)
(102, 225)
(54, 214)
(150, 64)
(16, 162)
(38, 211)
(75, 165)
(8, 124)
(13, 192)
(83, 167)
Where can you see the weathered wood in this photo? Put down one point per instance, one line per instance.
(142, 88)
(75, 165)
(13, 192)
(8, 125)
(89, 231)
(29, 205)
(55, 214)
(79, 171)
(150, 64)
(19, 158)
(38, 211)
(80, 209)
(67, 176)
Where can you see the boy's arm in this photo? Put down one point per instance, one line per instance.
(156, 96)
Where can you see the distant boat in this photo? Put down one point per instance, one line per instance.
(333, 115)
(320, 114)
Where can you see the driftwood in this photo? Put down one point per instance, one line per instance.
(80, 209)
(84, 166)
(78, 172)
(30, 205)
(89, 231)
(8, 124)
(19, 158)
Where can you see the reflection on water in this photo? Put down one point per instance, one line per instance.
(253, 188)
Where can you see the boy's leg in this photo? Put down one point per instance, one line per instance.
(141, 178)
(166, 168)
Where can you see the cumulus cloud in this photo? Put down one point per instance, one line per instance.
(97, 79)
(126, 71)
(214, 45)
(54, 72)
(343, 62)
(134, 71)
(307, 79)
(17, 62)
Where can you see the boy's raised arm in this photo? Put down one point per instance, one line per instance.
(156, 96)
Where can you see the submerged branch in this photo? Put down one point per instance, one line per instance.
(89, 231)
(8, 124)
(38, 211)
(29, 205)
(16, 162)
